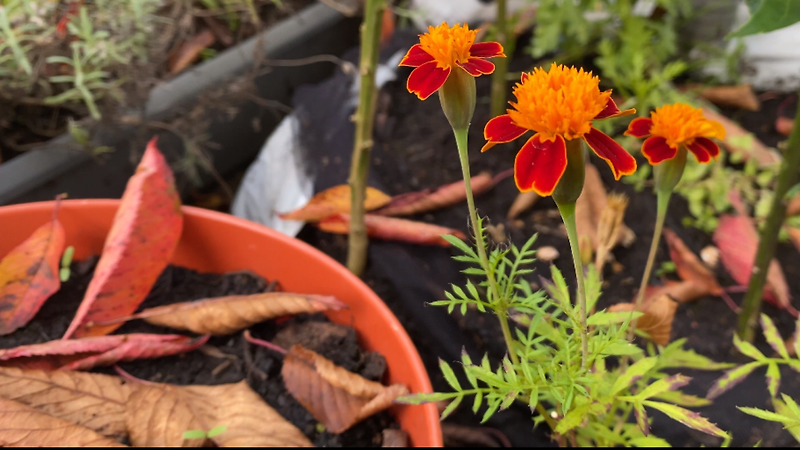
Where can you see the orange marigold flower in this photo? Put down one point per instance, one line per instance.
(558, 105)
(439, 50)
(672, 127)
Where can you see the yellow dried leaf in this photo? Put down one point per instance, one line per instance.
(24, 426)
(159, 414)
(92, 400)
(658, 315)
(335, 396)
(335, 200)
(225, 315)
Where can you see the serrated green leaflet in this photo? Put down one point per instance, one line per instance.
(773, 337)
(635, 371)
(747, 348)
(730, 378)
(689, 418)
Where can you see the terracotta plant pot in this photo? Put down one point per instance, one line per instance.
(217, 242)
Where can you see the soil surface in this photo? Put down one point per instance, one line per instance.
(415, 150)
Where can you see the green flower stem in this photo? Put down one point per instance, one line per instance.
(500, 307)
(768, 239)
(362, 145)
(662, 202)
(567, 211)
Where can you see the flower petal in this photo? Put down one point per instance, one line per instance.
(477, 66)
(704, 149)
(499, 130)
(486, 50)
(639, 127)
(620, 161)
(426, 79)
(540, 164)
(612, 110)
(416, 57)
(656, 149)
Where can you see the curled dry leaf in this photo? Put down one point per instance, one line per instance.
(658, 313)
(593, 206)
(447, 195)
(690, 268)
(335, 396)
(333, 201)
(85, 353)
(737, 240)
(522, 202)
(733, 138)
(738, 96)
(224, 315)
(158, 414)
(143, 236)
(393, 228)
(189, 51)
(29, 276)
(24, 426)
(92, 400)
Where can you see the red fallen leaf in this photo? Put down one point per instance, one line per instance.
(449, 194)
(393, 229)
(190, 50)
(784, 125)
(29, 275)
(691, 269)
(88, 352)
(332, 201)
(737, 239)
(138, 247)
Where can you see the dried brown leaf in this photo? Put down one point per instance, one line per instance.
(24, 426)
(393, 229)
(335, 396)
(333, 201)
(189, 51)
(522, 202)
(690, 268)
(733, 136)
(447, 195)
(224, 315)
(591, 209)
(737, 96)
(92, 400)
(658, 313)
(158, 414)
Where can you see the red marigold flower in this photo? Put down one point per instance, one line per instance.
(439, 50)
(558, 105)
(672, 127)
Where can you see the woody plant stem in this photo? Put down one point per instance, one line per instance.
(362, 146)
(769, 234)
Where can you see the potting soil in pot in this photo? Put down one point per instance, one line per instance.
(226, 359)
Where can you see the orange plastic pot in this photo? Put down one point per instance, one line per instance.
(217, 242)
